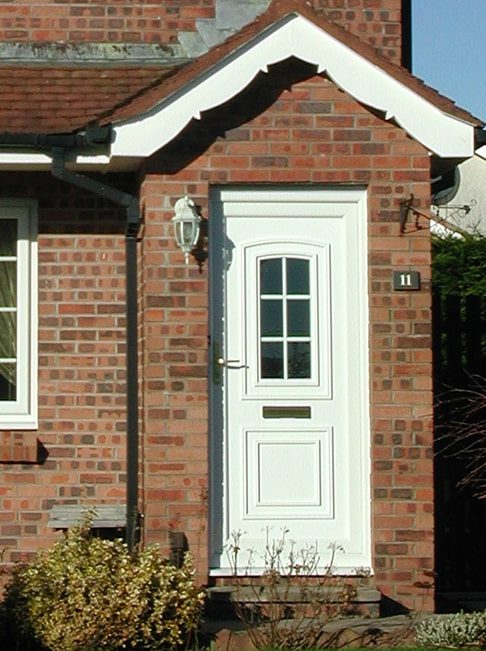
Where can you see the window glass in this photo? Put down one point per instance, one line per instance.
(298, 318)
(299, 359)
(284, 321)
(8, 304)
(18, 314)
(8, 237)
(297, 276)
(8, 283)
(272, 360)
(271, 276)
(8, 381)
(7, 338)
(272, 318)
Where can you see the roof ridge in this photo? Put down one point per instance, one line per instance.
(277, 11)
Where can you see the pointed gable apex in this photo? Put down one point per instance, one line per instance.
(152, 120)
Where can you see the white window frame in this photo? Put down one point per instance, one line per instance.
(319, 383)
(22, 412)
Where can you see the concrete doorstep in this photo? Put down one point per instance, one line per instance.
(360, 626)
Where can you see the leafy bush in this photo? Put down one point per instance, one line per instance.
(459, 265)
(89, 593)
(459, 630)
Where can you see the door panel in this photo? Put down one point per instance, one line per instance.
(289, 376)
(273, 487)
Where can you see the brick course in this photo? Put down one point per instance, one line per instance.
(308, 133)
(139, 21)
(286, 144)
(78, 451)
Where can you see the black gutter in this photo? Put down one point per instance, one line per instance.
(93, 135)
(131, 204)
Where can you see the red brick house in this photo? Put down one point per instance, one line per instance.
(282, 377)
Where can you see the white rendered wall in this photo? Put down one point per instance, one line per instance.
(472, 193)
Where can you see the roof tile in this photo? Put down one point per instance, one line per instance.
(65, 99)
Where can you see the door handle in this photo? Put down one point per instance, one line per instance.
(220, 362)
(229, 363)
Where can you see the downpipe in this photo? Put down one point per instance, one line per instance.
(131, 205)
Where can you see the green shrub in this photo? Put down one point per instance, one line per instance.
(459, 265)
(89, 593)
(459, 630)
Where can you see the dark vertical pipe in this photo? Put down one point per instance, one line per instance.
(132, 378)
(407, 34)
(130, 203)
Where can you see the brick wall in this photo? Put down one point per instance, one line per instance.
(133, 21)
(312, 133)
(378, 22)
(78, 452)
(79, 20)
(309, 133)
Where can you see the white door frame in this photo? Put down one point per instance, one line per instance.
(231, 201)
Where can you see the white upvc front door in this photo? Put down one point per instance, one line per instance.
(289, 373)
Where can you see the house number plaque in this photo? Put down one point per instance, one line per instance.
(406, 280)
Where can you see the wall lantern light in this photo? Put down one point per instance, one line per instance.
(186, 225)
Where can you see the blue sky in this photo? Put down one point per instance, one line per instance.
(449, 49)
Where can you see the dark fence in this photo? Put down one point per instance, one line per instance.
(459, 339)
(459, 328)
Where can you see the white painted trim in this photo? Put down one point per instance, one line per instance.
(318, 385)
(20, 160)
(35, 161)
(22, 414)
(292, 36)
(295, 36)
(356, 370)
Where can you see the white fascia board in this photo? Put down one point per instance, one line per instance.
(442, 134)
(35, 161)
(145, 135)
(14, 160)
